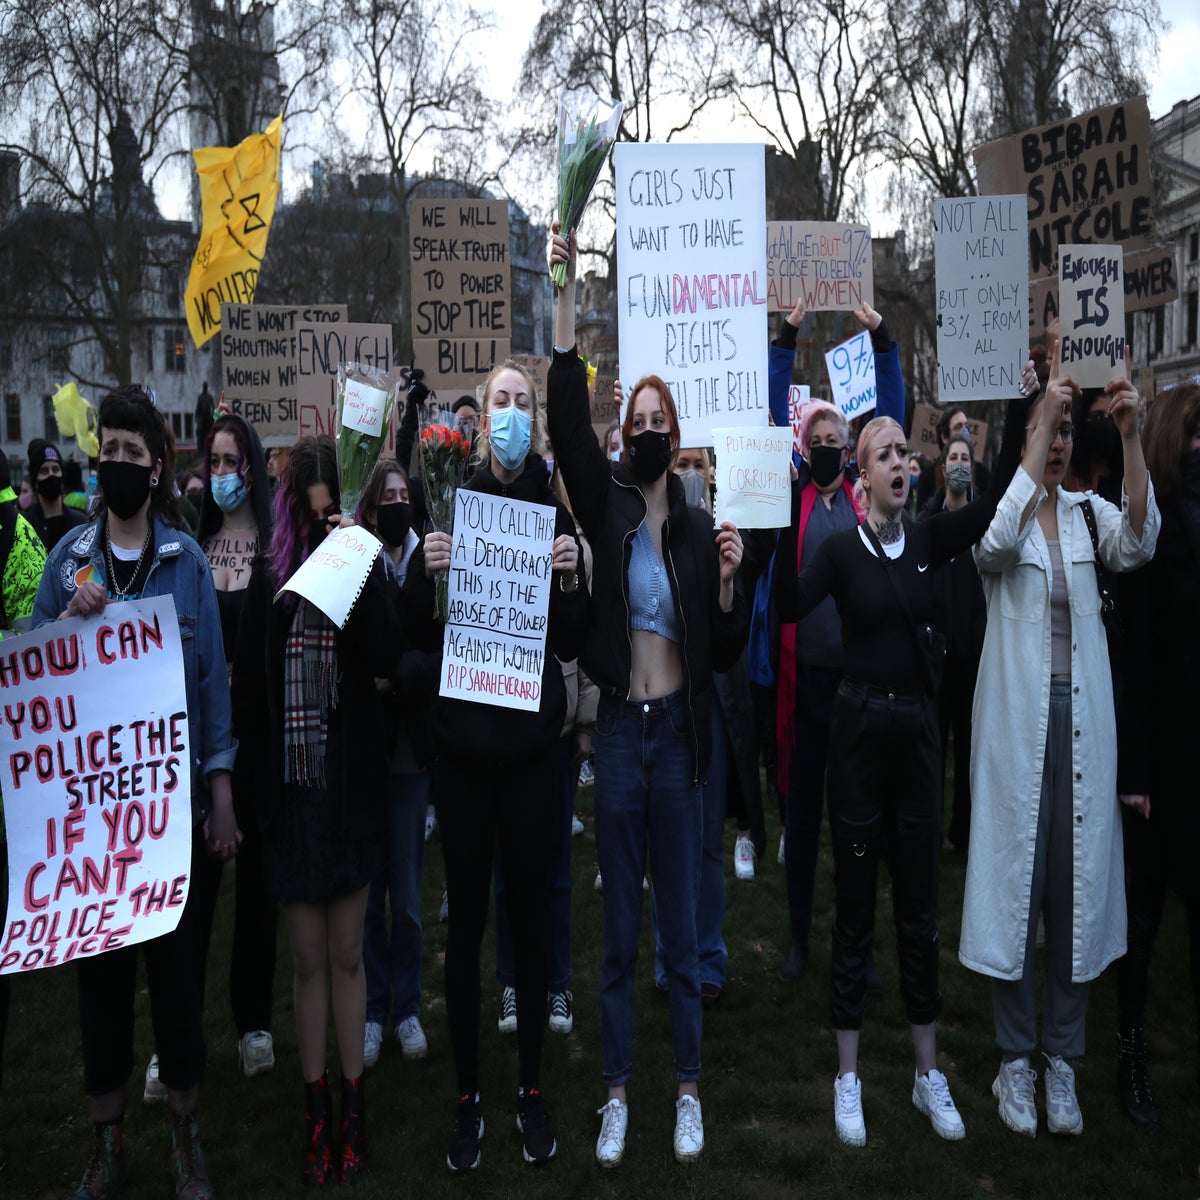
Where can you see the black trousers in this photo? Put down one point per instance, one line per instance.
(483, 808)
(955, 700)
(884, 802)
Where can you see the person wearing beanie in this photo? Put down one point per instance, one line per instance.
(47, 514)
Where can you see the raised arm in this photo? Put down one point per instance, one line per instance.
(891, 399)
(1123, 410)
(781, 358)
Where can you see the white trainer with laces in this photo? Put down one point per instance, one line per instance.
(372, 1042)
(743, 858)
(412, 1039)
(614, 1123)
(1062, 1108)
(931, 1096)
(562, 1019)
(689, 1129)
(847, 1110)
(782, 844)
(508, 1011)
(256, 1053)
(155, 1090)
(1013, 1088)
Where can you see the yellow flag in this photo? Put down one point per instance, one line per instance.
(238, 191)
(76, 418)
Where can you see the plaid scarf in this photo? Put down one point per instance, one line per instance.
(309, 692)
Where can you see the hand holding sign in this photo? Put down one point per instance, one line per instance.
(437, 552)
(89, 598)
(868, 318)
(1124, 406)
(564, 555)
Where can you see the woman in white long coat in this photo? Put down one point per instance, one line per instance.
(1045, 826)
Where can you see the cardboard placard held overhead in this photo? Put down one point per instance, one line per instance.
(825, 264)
(692, 279)
(924, 432)
(851, 368)
(258, 363)
(461, 260)
(319, 349)
(1091, 327)
(982, 297)
(538, 365)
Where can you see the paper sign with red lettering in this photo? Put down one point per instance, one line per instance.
(754, 482)
(799, 395)
(500, 576)
(333, 575)
(96, 773)
(823, 264)
(851, 368)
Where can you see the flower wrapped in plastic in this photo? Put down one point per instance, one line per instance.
(366, 395)
(443, 453)
(587, 128)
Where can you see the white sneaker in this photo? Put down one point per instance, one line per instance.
(156, 1090)
(599, 882)
(410, 1035)
(576, 826)
(430, 821)
(931, 1096)
(614, 1122)
(847, 1110)
(508, 1011)
(1013, 1089)
(782, 858)
(689, 1129)
(562, 1019)
(372, 1042)
(256, 1053)
(444, 911)
(1062, 1109)
(743, 858)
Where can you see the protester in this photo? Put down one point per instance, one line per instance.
(22, 559)
(953, 420)
(883, 743)
(496, 777)
(134, 548)
(1045, 834)
(25, 495)
(666, 615)
(465, 413)
(305, 699)
(50, 518)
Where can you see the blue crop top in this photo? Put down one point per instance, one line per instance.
(650, 604)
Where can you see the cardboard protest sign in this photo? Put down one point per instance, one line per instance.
(1091, 325)
(982, 297)
(258, 363)
(799, 395)
(924, 432)
(691, 279)
(461, 323)
(97, 782)
(500, 576)
(333, 575)
(754, 482)
(851, 368)
(538, 365)
(320, 347)
(825, 264)
(604, 401)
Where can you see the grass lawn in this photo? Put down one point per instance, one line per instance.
(769, 1062)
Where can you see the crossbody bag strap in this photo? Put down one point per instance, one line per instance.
(887, 564)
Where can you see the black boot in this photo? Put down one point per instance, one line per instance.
(1133, 1079)
(316, 1166)
(794, 961)
(106, 1172)
(353, 1160)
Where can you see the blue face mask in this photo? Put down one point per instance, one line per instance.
(228, 491)
(510, 431)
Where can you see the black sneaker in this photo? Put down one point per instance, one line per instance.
(463, 1154)
(538, 1144)
(794, 962)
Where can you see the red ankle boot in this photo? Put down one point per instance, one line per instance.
(353, 1159)
(317, 1164)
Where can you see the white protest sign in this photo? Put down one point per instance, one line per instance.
(1091, 313)
(692, 279)
(499, 594)
(981, 256)
(333, 575)
(799, 395)
(97, 784)
(754, 482)
(823, 264)
(851, 368)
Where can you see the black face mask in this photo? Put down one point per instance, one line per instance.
(649, 454)
(125, 486)
(393, 521)
(824, 464)
(50, 488)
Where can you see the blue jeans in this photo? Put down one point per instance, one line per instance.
(710, 901)
(558, 885)
(645, 789)
(393, 963)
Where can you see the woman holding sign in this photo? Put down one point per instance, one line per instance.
(884, 756)
(497, 777)
(305, 699)
(1045, 825)
(134, 548)
(666, 616)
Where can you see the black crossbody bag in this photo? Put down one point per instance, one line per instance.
(1105, 584)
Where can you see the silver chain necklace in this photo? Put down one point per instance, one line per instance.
(120, 592)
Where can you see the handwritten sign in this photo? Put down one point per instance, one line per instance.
(825, 264)
(1092, 318)
(333, 575)
(362, 407)
(258, 363)
(500, 575)
(461, 323)
(538, 366)
(319, 350)
(799, 395)
(754, 482)
(691, 279)
(982, 296)
(97, 784)
(851, 368)
(924, 432)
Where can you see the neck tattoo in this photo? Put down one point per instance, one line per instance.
(890, 532)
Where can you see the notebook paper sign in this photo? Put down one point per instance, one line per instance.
(494, 646)
(363, 406)
(851, 368)
(1091, 316)
(333, 575)
(754, 482)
